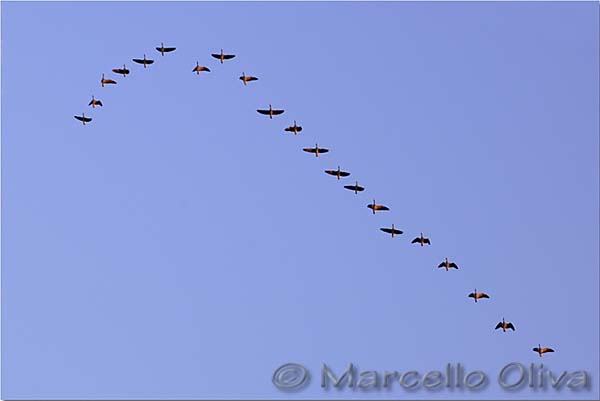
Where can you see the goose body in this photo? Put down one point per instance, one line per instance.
(222, 56)
(391, 231)
(505, 326)
(478, 295)
(198, 68)
(448, 265)
(296, 129)
(375, 207)
(143, 61)
(337, 173)
(83, 118)
(106, 81)
(246, 78)
(162, 49)
(356, 188)
(421, 240)
(316, 150)
(122, 71)
(271, 112)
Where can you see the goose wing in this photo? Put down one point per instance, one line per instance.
(331, 172)
(499, 326)
(98, 103)
(138, 60)
(417, 240)
(510, 326)
(482, 295)
(277, 112)
(442, 264)
(471, 295)
(310, 150)
(344, 174)
(265, 112)
(251, 79)
(544, 350)
(453, 265)
(381, 207)
(426, 241)
(387, 230)
(109, 81)
(323, 150)
(227, 56)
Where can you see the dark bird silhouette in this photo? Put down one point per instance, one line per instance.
(338, 173)
(271, 112)
(106, 81)
(448, 265)
(94, 102)
(421, 240)
(162, 49)
(356, 188)
(199, 68)
(222, 57)
(83, 118)
(246, 78)
(143, 61)
(316, 150)
(541, 350)
(122, 71)
(375, 207)
(477, 295)
(294, 128)
(505, 326)
(392, 231)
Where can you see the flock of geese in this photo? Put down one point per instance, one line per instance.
(296, 129)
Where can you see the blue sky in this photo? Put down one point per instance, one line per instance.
(183, 246)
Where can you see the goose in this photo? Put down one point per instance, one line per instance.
(199, 68)
(476, 295)
(392, 231)
(222, 57)
(541, 350)
(123, 71)
(448, 265)
(294, 128)
(271, 112)
(421, 240)
(246, 78)
(143, 61)
(316, 150)
(94, 102)
(356, 188)
(83, 118)
(505, 326)
(375, 207)
(106, 81)
(338, 173)
(162, 49)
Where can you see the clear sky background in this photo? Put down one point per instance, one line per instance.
(183, 246)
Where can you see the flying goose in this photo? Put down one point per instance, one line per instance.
(421, 240)
(246, 78)
(356, 188)
(476, 295)
(143, 61)
(505, 326)
(162, 49)
(106, 81)
(296, 129)
(83, 118)
(392, 231)
(271, 112)
(316, 150)
(375, 207)
(338, 173)
(199, 68)
(222, 57)
(94, 102)
(448, 265)
(123, 71)
(541, 350)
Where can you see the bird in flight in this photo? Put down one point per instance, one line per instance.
(222, 57)
(106, 81)
(247, 78)
(162, 49)
(421, 240)
(83, 118)
(316, 150)
(356, 188)
(143, 61)
(392, 231)
(477, 295)
(271, 112)
(199, 68)
(94, 102)
(448, 265)
(294, 128)
(338, 173)
(505, 326)
(123, 71)
(375, 207)
(541, 350)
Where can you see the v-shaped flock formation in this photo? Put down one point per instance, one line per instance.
(296, 129)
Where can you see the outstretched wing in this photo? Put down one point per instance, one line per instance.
(331, 172)
(426, 241)
(442, 264)
(323, 150)
(536, 349)
(265, 112)
(227, 56)
(483, 295)
(98, 102)
(149, 61)
(471, 295)
(381, 207)
(217, 56)
(344, 174)
(453, 265)
(137, 60)
(544, 350)
(251, 79)
(498, 326)
(417, 240)
(398, 231)
(510, 326)
(277, 112)
(309, 150)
